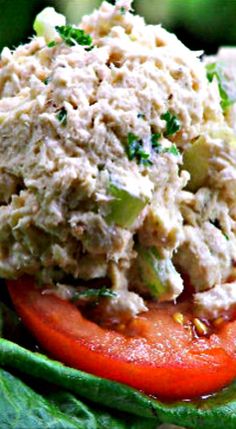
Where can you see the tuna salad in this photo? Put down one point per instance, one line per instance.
(118, 164)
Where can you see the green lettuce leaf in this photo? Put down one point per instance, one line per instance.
(21, 408)
(214, 413)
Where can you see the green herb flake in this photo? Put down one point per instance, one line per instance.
(140, 116)
(158, 148)
(122, 10)
(217, 70)
(156, 145)
(172, 123)
(91, 294)
(74, 36)
(89, 48)
(51, 44)
(173, 150)
(47, 80)
(62, 116)
(135, 150)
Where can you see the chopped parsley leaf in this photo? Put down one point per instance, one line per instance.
(140, 116)
(156, 145)
(62, 116)
(172, 123)
(216, 70)
(122, 10)
(158, 148)
(46, 81)
(73, 36)
(173, 150)
(89, 48)
(136, 151)
(51, 44)
(101, 167)
(94, 294)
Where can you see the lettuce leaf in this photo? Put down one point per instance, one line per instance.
(214, 413)
(21, 407)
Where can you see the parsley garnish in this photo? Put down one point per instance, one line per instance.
(173, 150)
(89, 48)
(158, 148)
(156, 145)
(47, 80)
(216, 70)
(94, 294)
(73, 36)
(51, 44)
(62, 116)
(122, 10)
(172, 123)
(136, 151)
(140, 116)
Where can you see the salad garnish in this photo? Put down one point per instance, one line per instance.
(74, 36)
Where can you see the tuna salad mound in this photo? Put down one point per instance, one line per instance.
(118, 164)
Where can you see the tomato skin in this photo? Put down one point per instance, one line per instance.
(159, 356)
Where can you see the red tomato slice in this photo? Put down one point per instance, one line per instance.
(155, 354)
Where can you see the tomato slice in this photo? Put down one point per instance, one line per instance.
(154, 353)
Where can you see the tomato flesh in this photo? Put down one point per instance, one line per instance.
(153, 353)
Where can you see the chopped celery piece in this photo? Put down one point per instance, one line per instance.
(159, 275)
(217, 70)
(196, 162)
(196, 158)
(223, 133)
(46, 21)
(124, 208)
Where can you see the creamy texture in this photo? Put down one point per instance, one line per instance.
(66, 114)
